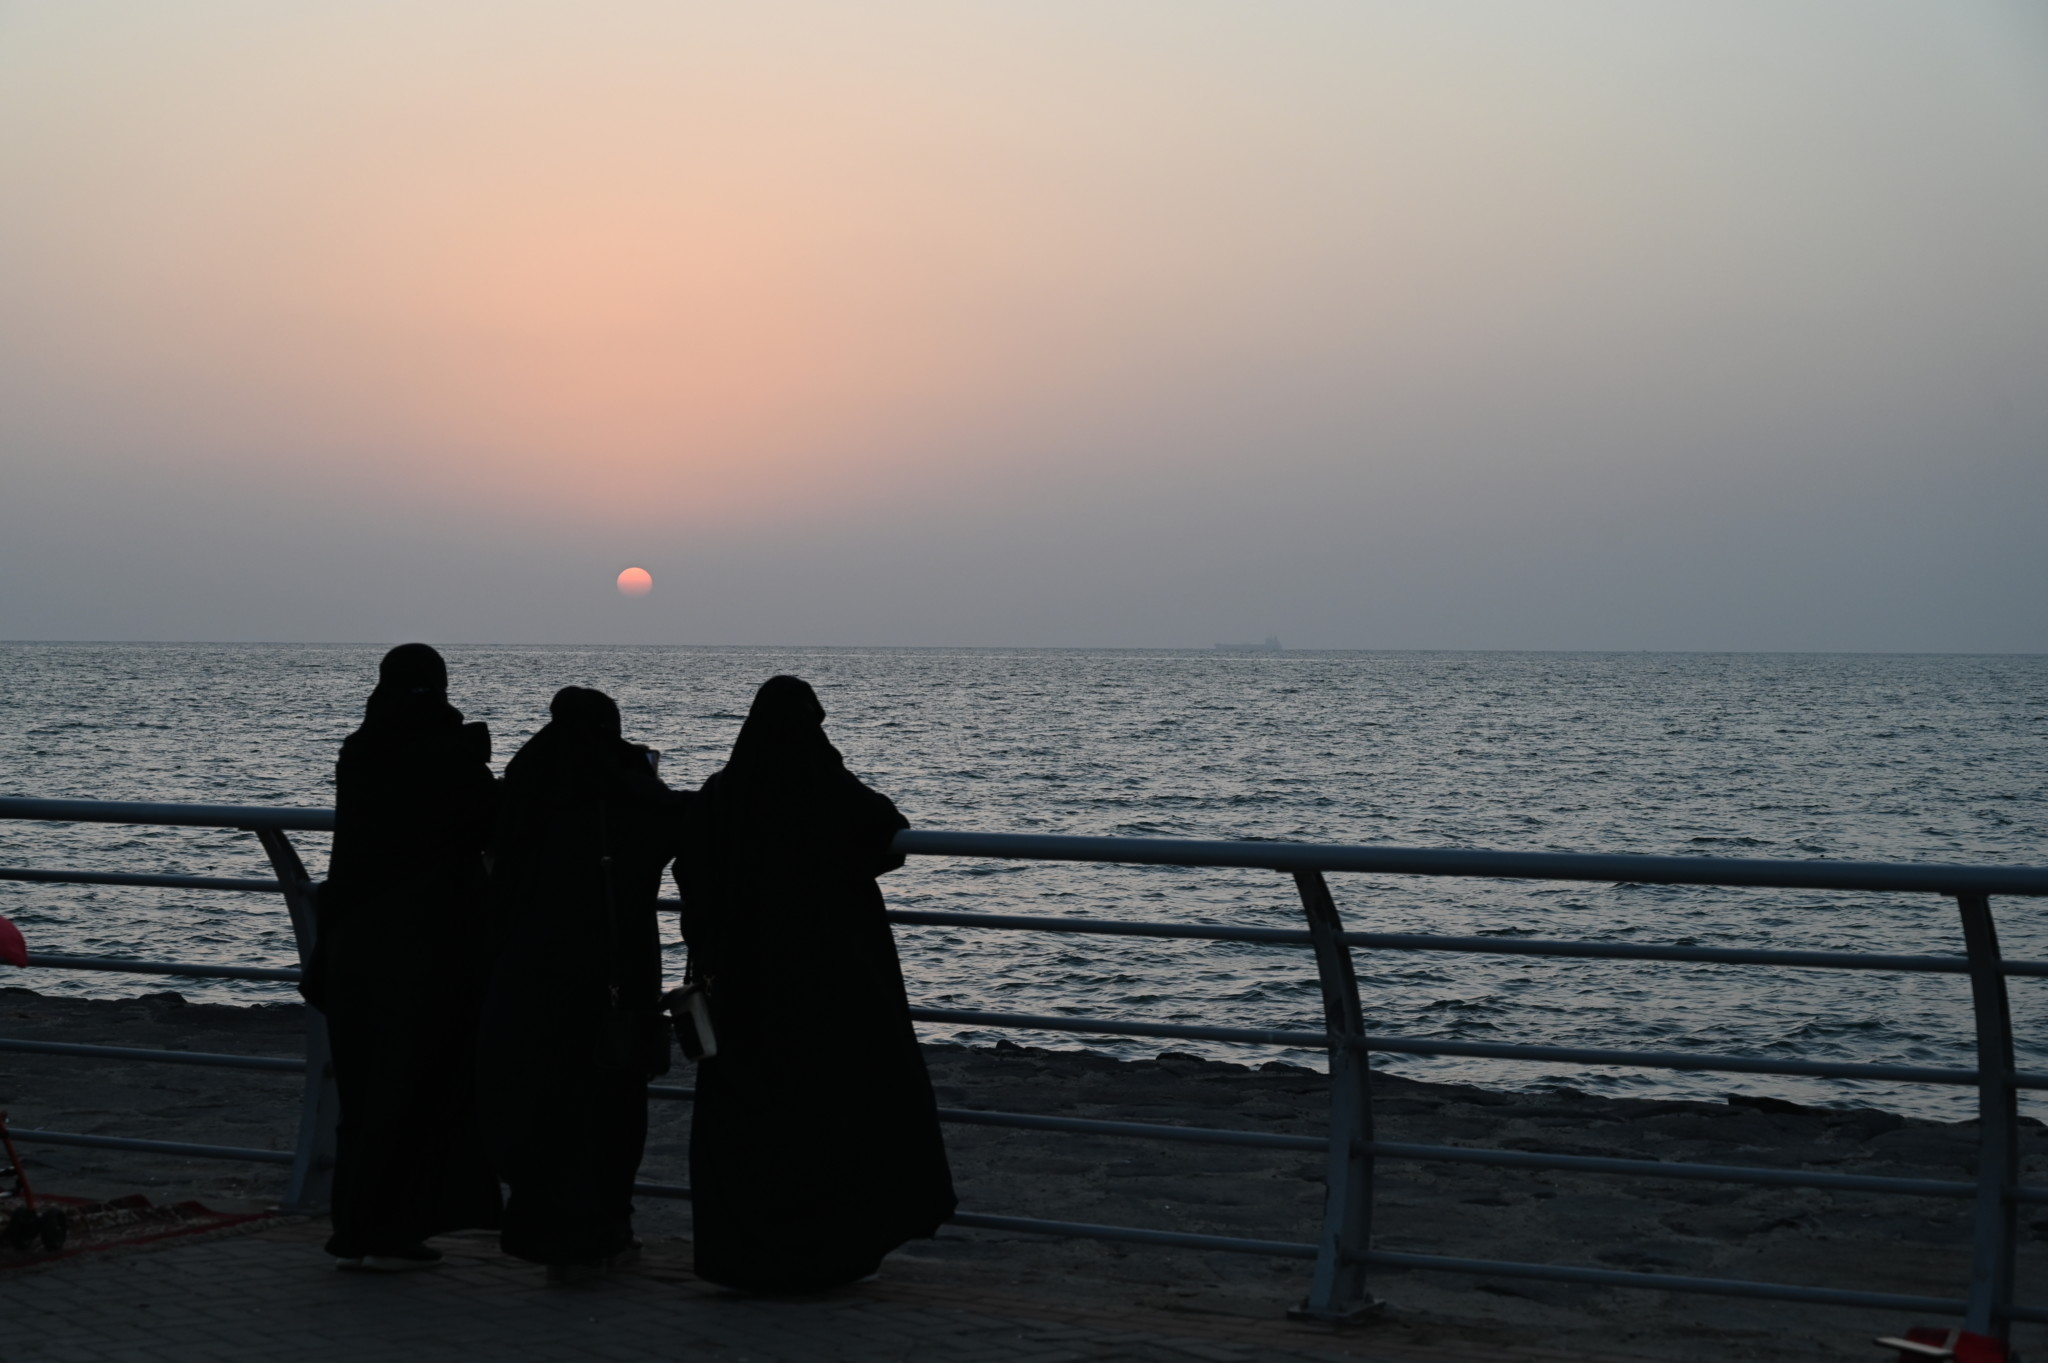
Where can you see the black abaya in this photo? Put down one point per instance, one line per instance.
(814, 1144)
(400, 964)
(579, 953)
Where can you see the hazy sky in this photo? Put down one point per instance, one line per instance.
(1371, 323)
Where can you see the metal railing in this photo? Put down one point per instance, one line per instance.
(1342, 1253)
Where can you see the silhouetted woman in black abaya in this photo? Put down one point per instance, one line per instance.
(571, 1029)
(399, 968)
(814, 1144)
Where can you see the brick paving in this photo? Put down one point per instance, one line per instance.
(269, 1294)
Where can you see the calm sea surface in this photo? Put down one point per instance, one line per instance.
(1911, 758)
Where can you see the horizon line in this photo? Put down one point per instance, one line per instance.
(1217, 650)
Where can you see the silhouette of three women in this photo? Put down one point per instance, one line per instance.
(504, 1026)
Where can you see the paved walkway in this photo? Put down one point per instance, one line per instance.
(269, 1294)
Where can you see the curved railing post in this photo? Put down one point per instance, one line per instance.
(319, 1104)
(1991, 1254)
(1338, 1291)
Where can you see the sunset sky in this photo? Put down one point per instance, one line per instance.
(1371, 323)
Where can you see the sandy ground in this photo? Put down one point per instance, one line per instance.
(1861, 1241)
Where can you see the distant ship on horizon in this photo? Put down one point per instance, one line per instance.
(1272, 645)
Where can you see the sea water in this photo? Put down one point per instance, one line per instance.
(1903, 758)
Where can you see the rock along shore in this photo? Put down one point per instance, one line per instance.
(1863, 1241)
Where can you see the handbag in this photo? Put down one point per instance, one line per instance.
(690, 1009)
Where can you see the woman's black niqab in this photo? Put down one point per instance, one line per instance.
(785, 792)
(400, 963)
(585, 830)
(412, 684)
(783, 739)
(787, 930)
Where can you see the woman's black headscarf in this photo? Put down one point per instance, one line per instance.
(412, 687)
(782, 764)
(585, 713)
(578, 756)
(784, 733)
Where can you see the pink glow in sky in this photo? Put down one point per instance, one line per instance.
(635, 582)
(1151, 322)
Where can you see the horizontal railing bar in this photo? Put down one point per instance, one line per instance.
(677, 1191)
(1642, 1168)
(1682, 1060)
(1250, 1036)
(1733, 1064)
(1136, 1234)
(1081, 1229)
(1505, 946)
(1454, 861)
(171, 814)
(1461, 1154)
(1273, 856)
(281, 1064)
(1200, 1135)
(1103, 926)
(1628, 951)
(1032, 1121)
(1407, 1045)
(39, 877)
(152, 1147)
(193, 970)
(1661, 1282)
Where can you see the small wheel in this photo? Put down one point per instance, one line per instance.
(55, 1228)
(22, 1228)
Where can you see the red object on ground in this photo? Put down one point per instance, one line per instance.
(1979, 1348)
(13, 949)
(123, 1223)
(1933, 1341)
